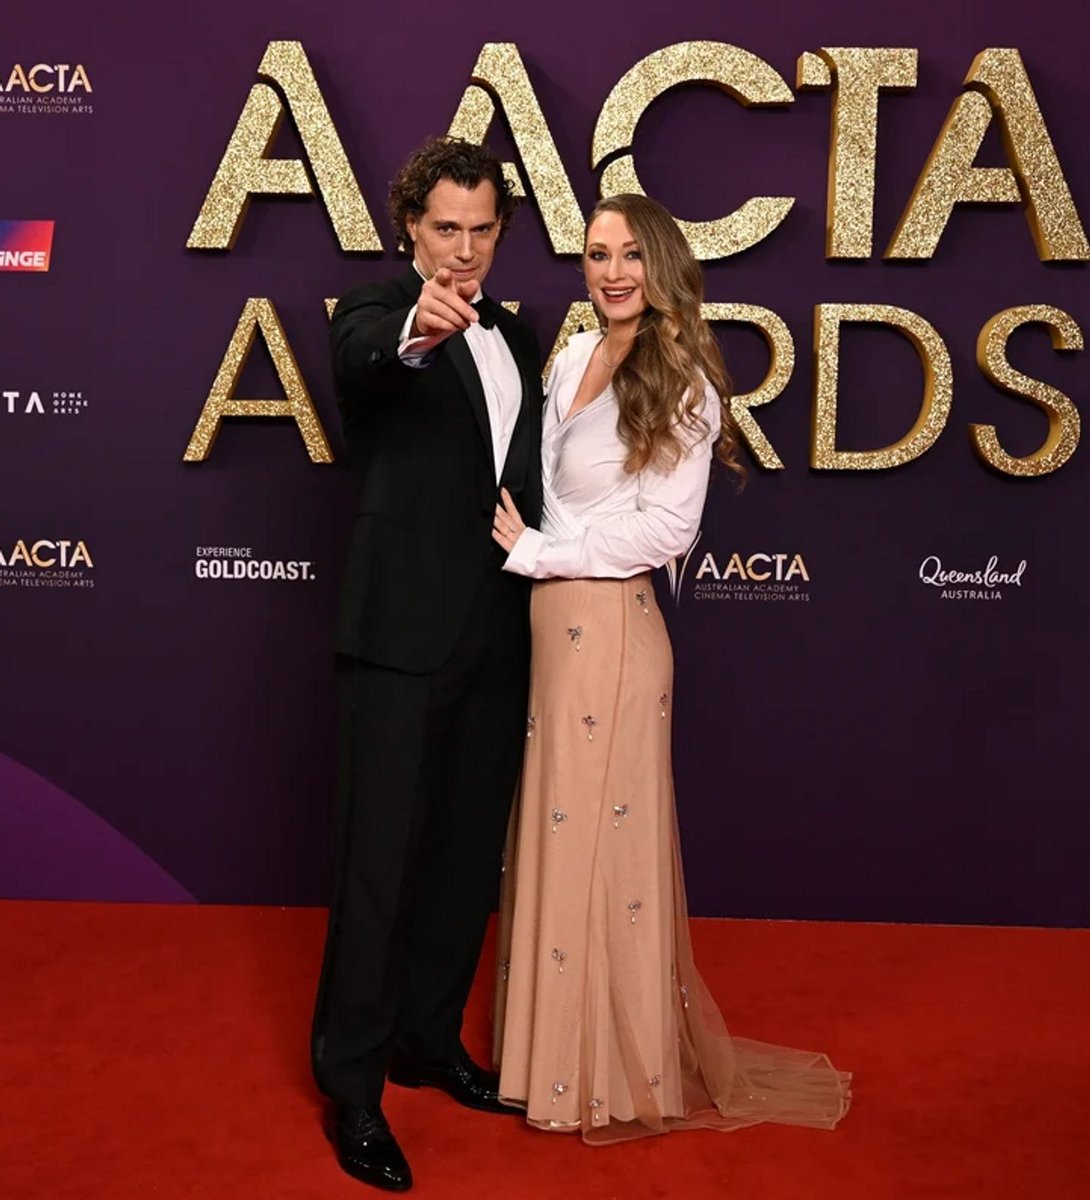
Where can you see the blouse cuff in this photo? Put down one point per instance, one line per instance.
(524, 554)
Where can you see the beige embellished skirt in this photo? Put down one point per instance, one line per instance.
(602, 1023)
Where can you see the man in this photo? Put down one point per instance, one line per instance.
(441, 406)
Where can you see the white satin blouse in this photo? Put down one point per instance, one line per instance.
(598, 521)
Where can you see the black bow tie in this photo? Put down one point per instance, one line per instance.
(486, 309)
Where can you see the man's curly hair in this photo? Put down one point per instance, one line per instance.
(464, 163)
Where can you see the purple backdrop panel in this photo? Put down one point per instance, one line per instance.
(52, 848)
(851, 741)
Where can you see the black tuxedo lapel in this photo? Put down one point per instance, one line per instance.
(462, 359)
(526, 363)
(515, 465)
(464, 364)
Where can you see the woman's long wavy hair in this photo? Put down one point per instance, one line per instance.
(660, 383)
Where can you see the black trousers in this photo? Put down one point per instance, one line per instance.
(428, 770)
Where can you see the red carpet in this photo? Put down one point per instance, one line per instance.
(160, 1052)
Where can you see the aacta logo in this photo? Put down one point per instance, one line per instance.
(756, 568)
(757, 576)
(42, 79)
(26, 245)
(45, 554)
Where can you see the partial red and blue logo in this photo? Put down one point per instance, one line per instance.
(26, 245)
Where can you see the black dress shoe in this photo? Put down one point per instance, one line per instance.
(368, 1151)
(461, 1079)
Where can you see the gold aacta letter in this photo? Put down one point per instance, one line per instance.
(245, 170)
(781, 363)
(938, 387)
(500, 73)
(1063, 416)
(744, 76)
(856, 74)
(999, 87)
(221, 402)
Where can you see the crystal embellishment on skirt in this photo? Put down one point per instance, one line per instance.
(594, 1105)
(641, 600)
(505, 968)
(590, 723)
(575, 632)
(654, 1081)
(559, 1089)
(531, 725)
(684, 996)
(634, 908)
(558, 816)
(662, 703)
(619, 811)
(559, 957)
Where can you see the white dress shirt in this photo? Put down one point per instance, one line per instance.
(495, 365)
(598, 521)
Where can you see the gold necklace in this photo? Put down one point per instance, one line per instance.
(602, 351)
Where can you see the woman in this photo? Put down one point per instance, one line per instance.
(603, 1023)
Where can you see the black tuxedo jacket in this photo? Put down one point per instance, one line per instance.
(420, 448)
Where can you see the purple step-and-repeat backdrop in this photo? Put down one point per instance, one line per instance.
(881, 642)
